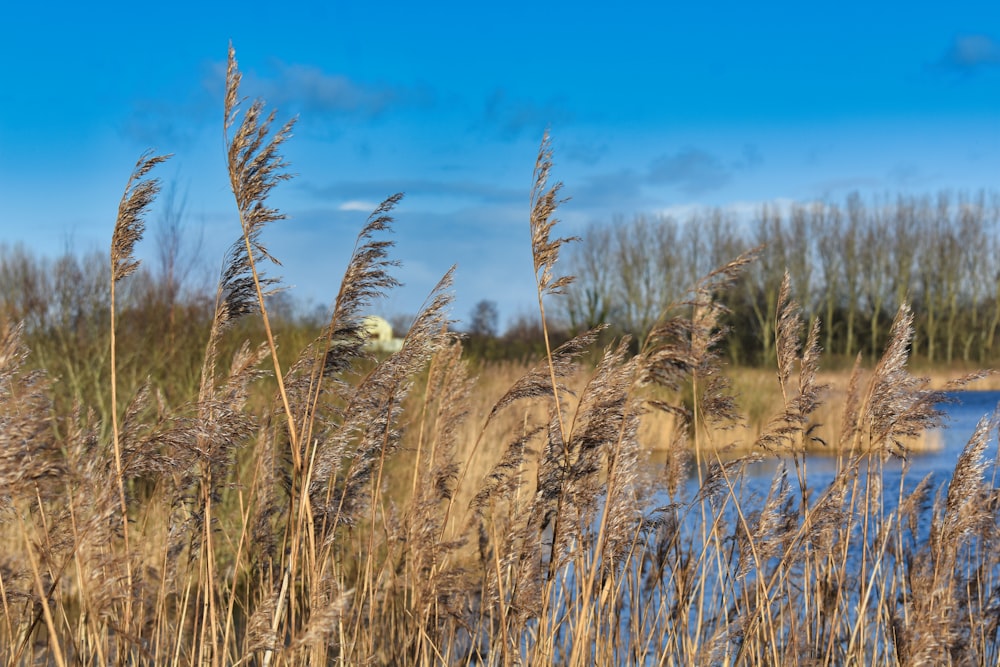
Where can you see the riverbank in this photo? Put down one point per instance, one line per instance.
(758, 399)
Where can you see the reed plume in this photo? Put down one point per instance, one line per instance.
(350, 505)
(255, 166)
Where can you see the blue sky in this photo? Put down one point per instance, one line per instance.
(653, 107)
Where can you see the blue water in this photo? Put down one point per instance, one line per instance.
(963, 414)
(963, 411)
(898, 477)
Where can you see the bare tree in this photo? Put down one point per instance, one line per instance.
(853, 267)
(587, 302)
(638, 296)
(877, 258)
(764, 276)
(992, 274)
(799, 257)
(905, 245)
(939, 282)
(485, 319)
(177, 244)
(950, 276)
(853, 264)
(827, 221)
(973, 235)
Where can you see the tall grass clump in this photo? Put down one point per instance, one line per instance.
(331, 506)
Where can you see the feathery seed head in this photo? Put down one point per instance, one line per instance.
(130, 224)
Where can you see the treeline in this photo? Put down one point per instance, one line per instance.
(851, 264)
(63, 305)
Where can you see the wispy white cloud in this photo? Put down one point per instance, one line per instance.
(608, 190)
(696, 171)
(160, 123)
(364, 191)
(748, 209)
(750, 157)
(839, 185)
(513, 118)
(907, 174)
(584, 152)
(972, 52)
(311, 89)
(691, 170)
(357, 205)
(289, 88)
(177, 122)
(682, 211)
(740, 210)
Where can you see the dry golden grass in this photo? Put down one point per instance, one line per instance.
(400, 511)
(757, 395)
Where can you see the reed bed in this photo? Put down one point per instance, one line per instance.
(386, 511)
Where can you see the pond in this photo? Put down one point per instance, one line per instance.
(752, 483)
(963, 411)
(711, 575)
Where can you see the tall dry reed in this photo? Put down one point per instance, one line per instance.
(379, 510)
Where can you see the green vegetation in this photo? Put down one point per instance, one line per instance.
(221, 500)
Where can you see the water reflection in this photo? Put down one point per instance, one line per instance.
(963, 412)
